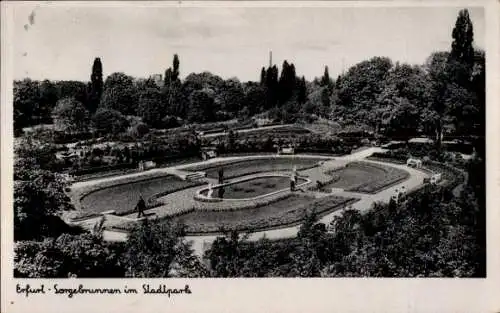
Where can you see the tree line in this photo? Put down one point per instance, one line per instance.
(443, 96)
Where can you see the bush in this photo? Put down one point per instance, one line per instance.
(108, 121)
(139, 130)
(170, 121)
(68, 255)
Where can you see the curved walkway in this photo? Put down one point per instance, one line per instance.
(185, 199)
(200, 243)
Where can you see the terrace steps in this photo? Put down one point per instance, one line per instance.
(196, 176)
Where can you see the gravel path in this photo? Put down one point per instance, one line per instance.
(184, 198)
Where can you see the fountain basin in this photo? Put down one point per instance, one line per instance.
(250, 188)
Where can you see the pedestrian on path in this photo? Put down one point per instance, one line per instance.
(221, 175)
(140, 207)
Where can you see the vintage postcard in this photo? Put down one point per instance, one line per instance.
(250, 156)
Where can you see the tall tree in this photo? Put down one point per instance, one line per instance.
(175, 71)
(25, 102)
(271, 87)
(72, 89)
(151, 108)
(363, 82)
(172, 84)
(254, 99)
(302, 93)
(47, 102)
(437, 68)
(201, 107)
(230, 95)
(287, 82)
(96, 86)
(120, 94)
(168, 77)
(263, 76)
(479, 88)
(463, 37)
(326, 81)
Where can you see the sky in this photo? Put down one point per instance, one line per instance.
(60, 42)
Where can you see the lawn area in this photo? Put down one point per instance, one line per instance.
(365, 177)
(255, 187)
(240, 168)
(285, 212)
(123, 197)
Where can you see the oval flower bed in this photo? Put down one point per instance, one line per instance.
(239, 168)
(284, 212)
(365, 177)
(252, 188)
(122, 196)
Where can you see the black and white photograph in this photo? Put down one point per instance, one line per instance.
(248, 141)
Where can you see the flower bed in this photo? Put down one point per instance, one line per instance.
(122, 195)
(283, 212)
(366, 177)
(451, 176)
(320, 185)
(239, 205)
(239, 168)
(254, 187)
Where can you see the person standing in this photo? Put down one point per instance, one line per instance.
(221, 192)
(221, 175)
(293, 179)
(140, 207)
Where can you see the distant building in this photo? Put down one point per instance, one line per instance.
(158, 79)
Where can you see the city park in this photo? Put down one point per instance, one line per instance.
(265, 195)
(379, 172)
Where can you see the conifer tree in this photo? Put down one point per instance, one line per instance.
(96, 86)
(302, 94)
(175, 72)
(463, 37)
(263, 76)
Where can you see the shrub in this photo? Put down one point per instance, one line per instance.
(139, 130)
(108, 121)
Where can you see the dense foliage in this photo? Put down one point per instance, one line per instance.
(38, 195)
(428, 235)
